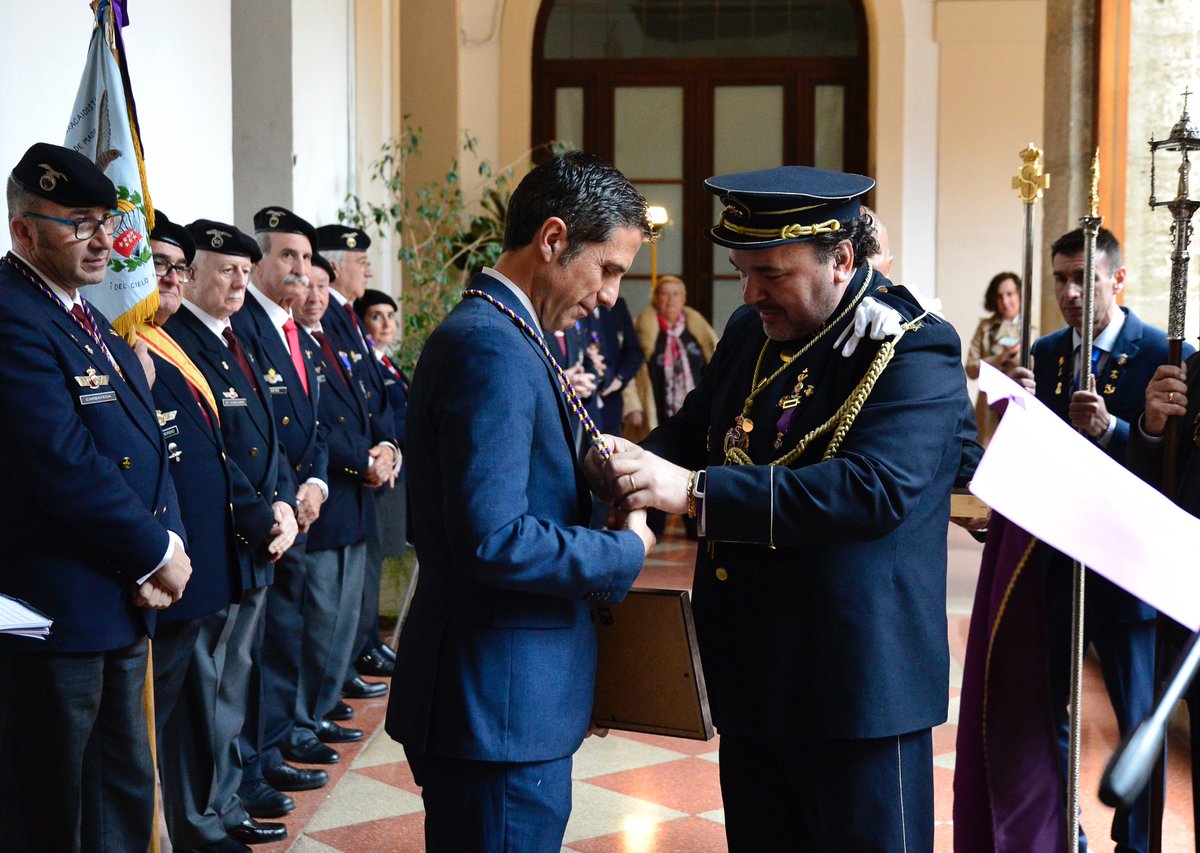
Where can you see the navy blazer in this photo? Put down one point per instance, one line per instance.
(85, 495)
(498, 654)
(363, 364)
(821, 609)
(349, 433)
(1137, 352)
(197, 463)
(612, 329)
(295, 411)
(259, 468)
(396, 385)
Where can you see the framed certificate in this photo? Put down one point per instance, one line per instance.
(648, 676)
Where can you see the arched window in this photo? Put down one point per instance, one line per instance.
(673, 91)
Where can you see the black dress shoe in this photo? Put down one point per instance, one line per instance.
(251, 831)
(357, 688)
(261, 800)
(329, 732)
(340, 713)
(374, 663)
(225, 845)
(285, 777)
(387, 651)
(310, 752)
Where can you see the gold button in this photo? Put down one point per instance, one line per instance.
(722, 575)
(341, 420)
(882, 290)
(253, 451)
(126, 464)
(297, 469)
(286, 420)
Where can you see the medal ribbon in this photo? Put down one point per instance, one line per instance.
(564, 384)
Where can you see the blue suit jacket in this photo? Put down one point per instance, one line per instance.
(1136, 354)
(259, 470)
(612, 328)
(85, 496)
(295, 412)
(349, 433)
(498, 655)
(822, 610)
(197, 463)
(363, 364)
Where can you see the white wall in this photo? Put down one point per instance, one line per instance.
(179, 61)
(990, 94)
(322, 42)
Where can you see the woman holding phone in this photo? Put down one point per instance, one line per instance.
(997, 341)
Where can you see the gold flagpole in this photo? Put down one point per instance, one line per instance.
(1029, 184)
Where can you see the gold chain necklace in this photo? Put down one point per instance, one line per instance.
(738, 435)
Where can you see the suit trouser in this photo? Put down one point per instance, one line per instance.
(172, 653)
(828, 796)
(198, 749)
(75, 769)
(367, 631)
(331, 613)
(282, 632)
(493, 806)
(1126, 653)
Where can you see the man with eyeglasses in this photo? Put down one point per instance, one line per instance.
(244, 522)
(90, 523)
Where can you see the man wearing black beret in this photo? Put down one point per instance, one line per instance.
(89, 520)
(346, 250)
(817, 453)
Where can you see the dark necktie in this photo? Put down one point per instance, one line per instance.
(331, 356)
(239, 355)
(84, 320)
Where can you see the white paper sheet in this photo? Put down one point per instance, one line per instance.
(18, 618)
(1066, 491)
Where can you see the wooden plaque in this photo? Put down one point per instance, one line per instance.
(648, 677)
(963, 504)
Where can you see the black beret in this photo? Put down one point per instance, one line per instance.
(323, 262)
(281, 220)
(65, 177)
(224, 239)
(372, 297)
(787, 204)
(173, 233)
(342, 238)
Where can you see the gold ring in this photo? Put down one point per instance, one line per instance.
(1170, 396)
(632, 483)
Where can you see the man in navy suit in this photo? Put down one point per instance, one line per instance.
(361, 451)
(202, 773)
(285, 373)
(1126, 354)
(90, 522)
(495, 667)
(818, 463)
(345, 250)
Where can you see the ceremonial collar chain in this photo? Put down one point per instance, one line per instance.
(737, 437)
(564, 384)
(93, 333)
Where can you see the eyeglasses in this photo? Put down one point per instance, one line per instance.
(162, 269)
(85, 229)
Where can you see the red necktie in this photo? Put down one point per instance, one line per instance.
(293, 339)
(562, 344)
(330, 356)
(84, 320)
(235, 349)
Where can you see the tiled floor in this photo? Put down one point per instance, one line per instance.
(647, 794)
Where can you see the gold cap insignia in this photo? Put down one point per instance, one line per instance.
(351, 241)
(273, 217)
(49, 180)
(217, 237)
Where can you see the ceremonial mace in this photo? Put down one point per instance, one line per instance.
(1091, 226)
(1028, 183)
(1130, 766)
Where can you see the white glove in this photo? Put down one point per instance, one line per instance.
(870, 317)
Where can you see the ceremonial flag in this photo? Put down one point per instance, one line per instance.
(103, 127)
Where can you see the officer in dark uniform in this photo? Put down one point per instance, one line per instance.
(286, 374)
(818, 453)
(345, 248)
(85, 509)
(262, 496)
(360, 460)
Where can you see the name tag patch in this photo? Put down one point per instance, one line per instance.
(233, 401)
(101, 397)
(279, 389)
(170, 431)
